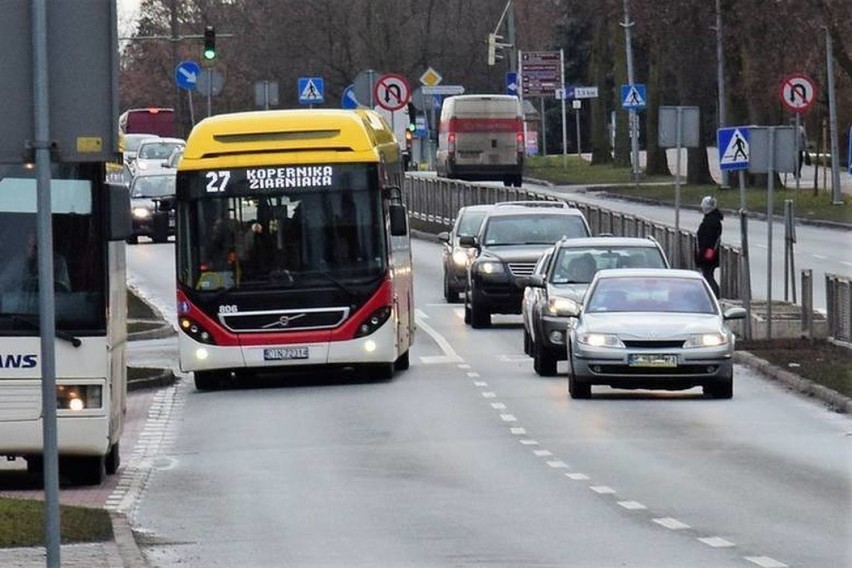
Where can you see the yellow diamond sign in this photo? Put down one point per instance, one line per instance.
(430, 78)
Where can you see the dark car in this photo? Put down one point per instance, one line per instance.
(152, 199)
(560, 281)
(454, 256)
(653, 329)
(510, 241)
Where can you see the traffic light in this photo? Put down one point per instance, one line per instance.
(492, 49)
(209, 43)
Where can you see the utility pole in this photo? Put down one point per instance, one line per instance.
(720, 79)
(510, 33)
(634, 135)
(832, 120)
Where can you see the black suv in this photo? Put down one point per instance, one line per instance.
(509, 243)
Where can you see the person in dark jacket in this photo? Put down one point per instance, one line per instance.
(708, 239)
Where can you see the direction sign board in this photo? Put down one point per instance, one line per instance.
(585, 92)
(541, 73)
(443, 90)
(512, 83)
(347, 99)
(186, 75)
(732, 144)
(633, 97)
(798, 92)
(392, 91)
(311, 90)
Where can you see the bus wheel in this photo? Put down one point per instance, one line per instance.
(207, 380)
(507, 181)
(113, 460)
(518, 181)
(88, 470)
(403, 362)
(379, 371)
(35, 465)
(480, 317)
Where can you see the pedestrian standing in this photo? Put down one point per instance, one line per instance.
(708, 239)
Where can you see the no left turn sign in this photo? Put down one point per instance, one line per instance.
(798, 92)
(392, 92)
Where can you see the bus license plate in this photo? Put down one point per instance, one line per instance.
(652, 360)
(285, 353)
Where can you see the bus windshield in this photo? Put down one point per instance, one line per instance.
(257, 232)
(78, 259)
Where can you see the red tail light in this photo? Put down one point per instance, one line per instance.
(451, 143)
(520, 140)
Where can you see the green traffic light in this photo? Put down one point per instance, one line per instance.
(209, 54)
(209, 43)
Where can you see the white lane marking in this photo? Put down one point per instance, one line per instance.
(820, 256)
(514, 358)
(632, 505)
(716, 542)
(443, 344)
(671, 523)
(508, 418)
(489, 394)
(577, 476)
(459, 313)
(542, 453)
(760, 245)
(437, 359)
(479, 383)
(498, 406)
(529, 442)
(765, 562)
(602, 489)
(473, 374)
(518, 431)
(846, 263)
(558, 464)
(464, 365)
(420, 314)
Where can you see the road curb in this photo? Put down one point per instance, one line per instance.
(128, 548)
(833, 399)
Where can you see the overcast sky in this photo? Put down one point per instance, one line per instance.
(128, 11)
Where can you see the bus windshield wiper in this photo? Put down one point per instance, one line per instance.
(75, 341)
(334, 281)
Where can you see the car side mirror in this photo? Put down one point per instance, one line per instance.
(119, 225)
(398, 220)
(467, 241)
(536, 281)
(734, 313)
(444, 236)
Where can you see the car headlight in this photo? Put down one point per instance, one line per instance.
(490, 267)
(600, 340)
(706, 340)
(460, 257)
(561, 306)
(141, 212)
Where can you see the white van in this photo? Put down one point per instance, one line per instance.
(481, 137)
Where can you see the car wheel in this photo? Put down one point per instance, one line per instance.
(518, 181)
(527, 343)
(507, 181)
(480, 317)
(85, 470)
(544, 362)
(113, 459)
(133, 240)
(449, 294)
(578, 389)
(721, 390)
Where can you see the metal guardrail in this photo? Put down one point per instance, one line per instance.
(838, 297)
(435, 202)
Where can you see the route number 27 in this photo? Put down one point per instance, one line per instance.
(217, 181)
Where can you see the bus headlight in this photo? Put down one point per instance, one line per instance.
(79, 397)
(373, 322)
(195, 331)
(141, 212)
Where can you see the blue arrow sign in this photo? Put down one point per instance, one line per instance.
(633, 97)
(347, 99)
(311, 90)
(733, 147)
(186, 75)
(512, 83)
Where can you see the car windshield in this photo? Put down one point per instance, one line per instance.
(132, 143)
(153, 186)
(157, 150)
(578, 265)
(533, 229)
(650, 294)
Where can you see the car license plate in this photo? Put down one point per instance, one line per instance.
(285, 353)
(652, 360)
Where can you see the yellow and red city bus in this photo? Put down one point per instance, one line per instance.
(292, 245)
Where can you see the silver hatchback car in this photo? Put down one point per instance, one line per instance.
(651, 328)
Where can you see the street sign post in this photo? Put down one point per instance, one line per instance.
(541, 73)
(347, 99)
(443, 90)
(430, 78)
(633, 97)
(732, 145)
(392, 91)
(266, 94)
(798, 92)
(512, 83)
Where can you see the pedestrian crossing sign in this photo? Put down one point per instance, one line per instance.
(633, 97)
(733, 148)
(311, 90)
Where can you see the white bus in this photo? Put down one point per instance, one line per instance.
(90, 222)
(292, 246)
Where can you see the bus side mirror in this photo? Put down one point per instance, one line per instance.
(119, 226)
(398, 220)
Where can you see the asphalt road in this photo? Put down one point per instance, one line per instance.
(469, 458)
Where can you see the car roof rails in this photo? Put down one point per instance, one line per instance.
(555, 204)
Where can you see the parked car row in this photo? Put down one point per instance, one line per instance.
(610, 306)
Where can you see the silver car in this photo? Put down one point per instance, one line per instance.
(455, 257)
(562, 277)
(651, 328)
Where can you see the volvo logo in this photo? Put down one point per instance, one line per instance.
(283, 321)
